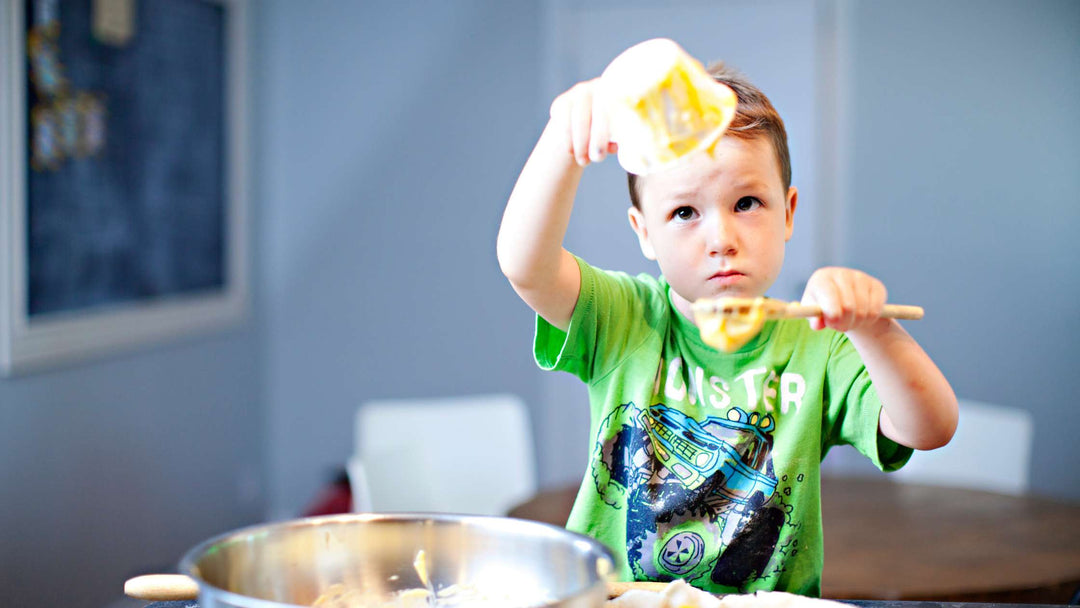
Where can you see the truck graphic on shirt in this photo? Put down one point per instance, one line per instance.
(732, 451)
(699, 494)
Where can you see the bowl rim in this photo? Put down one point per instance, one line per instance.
(187, 564)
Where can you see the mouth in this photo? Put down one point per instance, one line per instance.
(725, 278)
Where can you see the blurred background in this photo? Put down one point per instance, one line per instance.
(936, 145)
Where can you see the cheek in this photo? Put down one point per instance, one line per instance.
(673, 255)
(776, 254)
(777, 234)
(683, 247)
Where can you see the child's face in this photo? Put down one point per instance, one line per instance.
(717, 224)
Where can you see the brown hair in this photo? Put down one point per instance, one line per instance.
(755, 116)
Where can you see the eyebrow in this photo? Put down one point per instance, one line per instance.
(680, 195)
(751, 184)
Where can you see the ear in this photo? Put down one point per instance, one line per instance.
(789, 217)
(637, 222)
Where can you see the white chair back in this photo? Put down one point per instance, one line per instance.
(990, 451)
(470, 454)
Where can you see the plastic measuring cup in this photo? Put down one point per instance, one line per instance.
(662, 105)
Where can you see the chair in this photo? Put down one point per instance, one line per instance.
(990, 451)
(470, 455)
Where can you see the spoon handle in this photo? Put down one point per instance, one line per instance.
(891, 311)
(162, 587)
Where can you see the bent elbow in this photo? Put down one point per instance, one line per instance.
(941, 436)
(508, 265)
(524, 268)
(512, 269)
(951, 421)
(933, 442)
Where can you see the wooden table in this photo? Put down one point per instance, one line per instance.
(893, 541)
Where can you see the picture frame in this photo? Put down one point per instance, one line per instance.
(135, 264)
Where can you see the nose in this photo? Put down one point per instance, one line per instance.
(721, 238)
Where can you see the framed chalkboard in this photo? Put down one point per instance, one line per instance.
(122, 175)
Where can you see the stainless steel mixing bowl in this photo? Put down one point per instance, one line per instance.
(293, 563)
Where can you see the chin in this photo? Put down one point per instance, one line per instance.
(731, 292)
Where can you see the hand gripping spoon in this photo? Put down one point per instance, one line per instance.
(728, 323)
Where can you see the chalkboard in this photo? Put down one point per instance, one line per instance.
(123, 174)
(138, 212)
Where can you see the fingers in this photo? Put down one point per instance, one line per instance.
(600, 133)
(581, 112)
(849, 299)
(581, 125)
(840, 304)
(878, 296)
(812, 297)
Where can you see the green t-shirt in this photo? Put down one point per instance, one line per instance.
(705, 466)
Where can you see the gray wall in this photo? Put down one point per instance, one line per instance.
(113, 468)
(393, 134)
(965, 194)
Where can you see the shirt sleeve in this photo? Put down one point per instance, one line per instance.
(853, 409)
(605, 327)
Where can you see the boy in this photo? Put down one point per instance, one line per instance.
(705, 466)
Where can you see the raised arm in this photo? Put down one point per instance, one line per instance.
(919, 408)
(529, 246)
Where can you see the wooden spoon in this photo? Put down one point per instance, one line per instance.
(729, 323)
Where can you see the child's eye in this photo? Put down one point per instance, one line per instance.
(684, 213)
(747, 203)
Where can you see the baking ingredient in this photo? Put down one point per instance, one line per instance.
(777, 599)
(729, 327)
(451, 596)
(679, 594)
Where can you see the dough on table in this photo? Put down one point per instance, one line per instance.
(677, 594)
(680, 594)
(777, 599)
